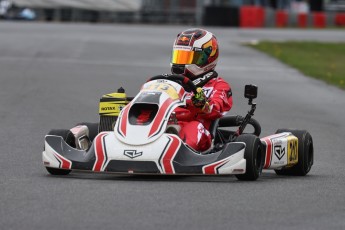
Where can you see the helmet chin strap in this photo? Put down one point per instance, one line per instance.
(203, 79)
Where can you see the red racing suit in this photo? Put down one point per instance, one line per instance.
(195, 122)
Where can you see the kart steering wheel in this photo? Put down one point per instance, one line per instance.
(185, 82)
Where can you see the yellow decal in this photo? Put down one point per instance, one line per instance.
(170, 90)
(110, 108)
(115, 95)
(292, 146)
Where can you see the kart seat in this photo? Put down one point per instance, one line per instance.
(213, 128)
(221, 135)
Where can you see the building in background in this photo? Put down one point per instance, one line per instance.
(335, 5)
(79, 10)
(189, 12)
(5, 6)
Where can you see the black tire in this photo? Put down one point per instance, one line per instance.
(93, 129)
(305, 154)
(253, 155)
(69, 138)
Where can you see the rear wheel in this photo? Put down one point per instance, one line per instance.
(253, 155)
(305, 154)
(69, 139)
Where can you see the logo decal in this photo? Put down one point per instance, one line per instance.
(279, 151)
(293, 151)
(203, 78)
(132, 153)
(207, 91)
(184, 40)
(108, 108)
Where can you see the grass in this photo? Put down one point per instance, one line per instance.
(324, 61)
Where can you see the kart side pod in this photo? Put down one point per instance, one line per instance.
(110, 106)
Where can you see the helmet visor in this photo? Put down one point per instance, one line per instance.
(187, 57)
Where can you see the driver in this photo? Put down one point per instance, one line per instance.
(195, 55)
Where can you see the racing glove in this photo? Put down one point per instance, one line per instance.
(199, 99)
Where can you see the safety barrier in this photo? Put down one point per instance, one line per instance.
(252, 16)
(340, 19)
(302, 20)
(319, 20)
(281, 18)
(255, 17)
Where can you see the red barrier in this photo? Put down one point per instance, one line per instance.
(302, 20)
(340, 19)
(319, 20)
(281, 18)
(260, 17)
(247, 16)
(252, 16)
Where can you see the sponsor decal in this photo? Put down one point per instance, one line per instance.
(111, 108)
(188, 48)
(203, 78)
(132, 153)
(108, 108)
(292, 150)
(271, 141)
(207, 91)
(184, 40)
(162, 86)
(151, 93)
(164, 75)
(279, 151)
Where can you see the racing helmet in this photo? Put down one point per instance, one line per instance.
(195, 52)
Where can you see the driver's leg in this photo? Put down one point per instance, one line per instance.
(195, 135)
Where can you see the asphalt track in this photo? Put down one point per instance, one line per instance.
(52, 75)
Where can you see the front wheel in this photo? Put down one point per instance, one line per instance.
(254, 157)
(305, 154)
(69, 139)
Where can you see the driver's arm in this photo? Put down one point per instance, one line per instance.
(219, 102)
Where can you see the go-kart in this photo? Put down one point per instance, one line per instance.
(126, 141)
